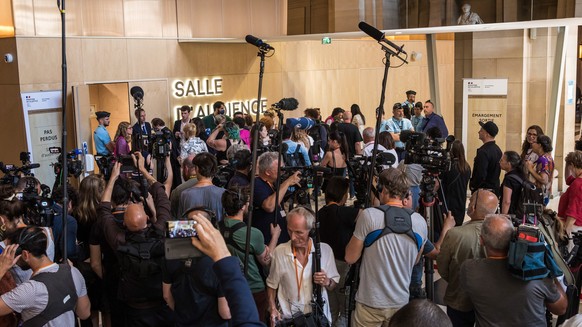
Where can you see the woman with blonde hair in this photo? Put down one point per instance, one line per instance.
(122, 139)
(192, 143)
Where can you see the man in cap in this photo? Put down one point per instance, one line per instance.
(408, 105)
(486, 168)
(103, 144)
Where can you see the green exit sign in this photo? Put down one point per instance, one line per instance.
(326, 40)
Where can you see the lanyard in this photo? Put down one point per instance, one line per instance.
(299, 278)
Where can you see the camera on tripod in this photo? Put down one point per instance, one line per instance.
(160, 143)
(427, 152)
(224, 174)
(359, 170)
(74, 164)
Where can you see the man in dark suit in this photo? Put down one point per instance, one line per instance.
(179, 124)
(141, 132)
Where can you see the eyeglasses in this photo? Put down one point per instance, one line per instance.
(532, 134)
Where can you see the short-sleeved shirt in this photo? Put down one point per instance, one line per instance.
(396, 126)
(352, 134)
(337, 225)
(121, 147)
(386, 268)
(31, 298)
(209, 197)
(262, 220)
(257, 247)
(415, 121)
(101, 138)
(195, 290)
(571, 201)
(282, 277)
(503, 300)
(545, 164)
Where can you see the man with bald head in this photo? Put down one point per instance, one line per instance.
(460, 244)
(499, 298)
(140, 251)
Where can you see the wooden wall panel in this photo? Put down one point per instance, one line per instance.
(203, 18)
(9, 71)
(103, 18)
(150, 59)
(346, 15)
(297, 21)
(143, 17)
(274, 11)
(23, 17)
(237, 18)
(105, 60)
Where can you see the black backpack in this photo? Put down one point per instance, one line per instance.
(294, 159)
(140, 263)
(396, 220)
(530, 194)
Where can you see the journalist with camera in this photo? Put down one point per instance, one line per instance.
(291, 282)
(140, 283)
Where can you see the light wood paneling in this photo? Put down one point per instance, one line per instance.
(150, 59)
(201, 18)
(23, 12)
(143, 17)
(9, 71)
(236, 18)
(103, 18)
(47, 18)
(39, 60)
(106, 59)
(11, 124)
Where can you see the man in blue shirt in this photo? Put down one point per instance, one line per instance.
(431, 119)
(395, 126)
(103, 144)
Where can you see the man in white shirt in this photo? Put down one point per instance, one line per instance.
(369, 138)
(291, 277)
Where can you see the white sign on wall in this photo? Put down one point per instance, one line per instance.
(43, 124)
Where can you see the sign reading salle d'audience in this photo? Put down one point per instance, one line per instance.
(197, 89)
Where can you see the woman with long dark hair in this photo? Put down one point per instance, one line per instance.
(336, 156)
(454, 182)
(512, 164)
(358, 118)
(542, 171)
(533, 132)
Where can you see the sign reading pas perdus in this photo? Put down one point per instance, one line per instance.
(211, 87)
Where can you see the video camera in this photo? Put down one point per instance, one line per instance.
(74, 164)
(160, 143)
(359, 170)
(12, 173)
(427, 152)
(224, 174)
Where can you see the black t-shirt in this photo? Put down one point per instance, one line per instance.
(239, 179)
(352, 136)
(262, 220)
(511, 181)
(195, 290)
(454, 184)
(336, 226)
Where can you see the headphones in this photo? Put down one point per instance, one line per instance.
(211, 213)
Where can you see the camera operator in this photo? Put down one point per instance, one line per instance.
(499, 298)
(294, 292)
(242, 163)
(203, 193)
(140, 282)
(12, 215)
(385, 280)
(53, 295)
(191, 289)
(103, 144)
(236, 203)
(59, 223)
(264, 197)
(27, 184)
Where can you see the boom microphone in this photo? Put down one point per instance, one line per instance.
(287, 104)
(258, 42)
(378, 36)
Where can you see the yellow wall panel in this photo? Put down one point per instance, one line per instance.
(236, 18)
(105, 59)
(149, 59)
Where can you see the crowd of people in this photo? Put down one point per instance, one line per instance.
(127, 267)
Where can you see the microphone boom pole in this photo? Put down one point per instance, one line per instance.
(261, 54)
